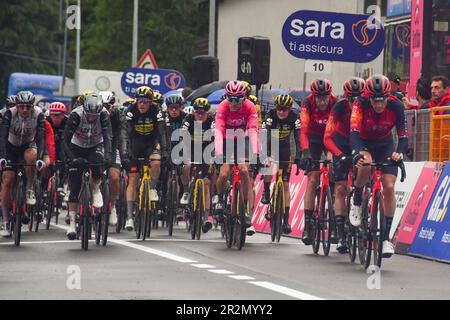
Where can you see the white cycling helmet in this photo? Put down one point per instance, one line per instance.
(107, 97)
(188, 109)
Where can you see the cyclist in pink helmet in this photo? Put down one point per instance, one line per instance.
(236, 125)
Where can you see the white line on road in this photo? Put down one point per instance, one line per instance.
(241, 277)
(203, 266)
(152, 251)
(220, 271)
(284, 290)
(264, 284)
(39, 242)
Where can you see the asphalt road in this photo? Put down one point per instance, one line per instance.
(48, 266)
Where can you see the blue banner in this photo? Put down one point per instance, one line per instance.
(41, 84)
(160, 80)
(398, 8)
(433, 236)
(333, 36)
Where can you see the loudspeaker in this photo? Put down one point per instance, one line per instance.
(205, 69)
(254, 59)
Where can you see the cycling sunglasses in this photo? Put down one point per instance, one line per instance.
(200, 112)
(282, 109)
(379, 99)
(174, 106)
(143, 100)
(235, 99)
(25, 106)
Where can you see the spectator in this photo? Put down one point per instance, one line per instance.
(440, 93)
(395, 85)
(422, 95)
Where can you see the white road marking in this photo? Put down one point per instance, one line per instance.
(264, 284)
(153, 251)
(220, 271)
(203, 266)
(284, 290)
(242, 277)
(39, 242)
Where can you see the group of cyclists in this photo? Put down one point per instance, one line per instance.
(353, 129)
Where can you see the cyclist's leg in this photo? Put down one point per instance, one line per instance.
(185, 177)
(266, 180)
(388, 179)
(75, 181)
(207, 225)
(114, 186)
(222, 179)
(96, 156)
(287, 204)
(8, 177)
(155, 171)
(133, 180)
(30, 157)
(313, 179)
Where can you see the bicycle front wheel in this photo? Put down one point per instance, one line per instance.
(378, 230)
(240, 229)
(279, 213)
(199, 212)
(327, 217)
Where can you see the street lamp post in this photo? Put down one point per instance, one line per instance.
(135, 33)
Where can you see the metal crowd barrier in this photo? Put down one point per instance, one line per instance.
(440, 134)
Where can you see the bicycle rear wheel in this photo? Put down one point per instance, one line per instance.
(199, 212)
(18, 206)
(172, 205)
(239, 212)
(38, 207)
(121, 206)
(85, 226)
(279, 213)
(327, 217)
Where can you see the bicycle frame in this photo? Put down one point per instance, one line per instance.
(236, 179)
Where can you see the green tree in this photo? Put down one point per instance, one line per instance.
(28, 38)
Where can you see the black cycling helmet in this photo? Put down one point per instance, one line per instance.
(174, 100)
(378, 87)
(321, 87)
(25, 97)
(283, 101)
(201, 104)
(158, 98)
(144, 92)
(354, 87)
(92, 104)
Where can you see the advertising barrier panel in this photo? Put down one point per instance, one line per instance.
(417, 206)
(297, 190)
(433, 236)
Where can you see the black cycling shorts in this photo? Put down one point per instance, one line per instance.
(343, 143)
(16, 154)
(380, 151)
(317, 148)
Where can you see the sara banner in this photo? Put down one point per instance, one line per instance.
(417, 205)
(333, 36)
(160, 80)
(433, 236)
(297, 191)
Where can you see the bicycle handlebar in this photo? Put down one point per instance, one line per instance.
(379, 165)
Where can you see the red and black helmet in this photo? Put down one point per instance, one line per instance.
(378, 87)
(353, 87)
(321, 87)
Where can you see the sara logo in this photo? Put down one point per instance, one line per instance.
(362, 32)
(160, 80)
(172, 80)
(333, 36)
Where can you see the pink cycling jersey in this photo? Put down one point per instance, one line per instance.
(246, 119)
